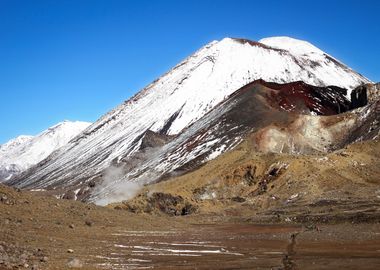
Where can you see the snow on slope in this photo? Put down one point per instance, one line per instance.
(295, 46)
(325, 71)
(182, 96)
(25, 151)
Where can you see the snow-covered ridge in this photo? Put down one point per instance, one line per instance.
(305, 50)
(13, 143)
(179, 98)
(294, 46)
(24, 151)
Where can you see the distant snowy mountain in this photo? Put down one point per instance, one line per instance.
(171, 106)
(23, 152)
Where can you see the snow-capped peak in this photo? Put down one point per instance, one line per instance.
(292, 45)
(24, 151)
(14, 143)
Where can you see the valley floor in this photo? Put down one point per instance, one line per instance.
(39, 232)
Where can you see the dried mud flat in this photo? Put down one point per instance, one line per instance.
(242, 246)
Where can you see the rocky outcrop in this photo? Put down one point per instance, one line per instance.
(365, 94)
(159, 203)
(307, 99)
(373, 92)
(153, 139)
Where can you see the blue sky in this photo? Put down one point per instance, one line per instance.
(78, 59)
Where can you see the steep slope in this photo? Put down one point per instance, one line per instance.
(23, 152)
(172, 105)
(274, 113)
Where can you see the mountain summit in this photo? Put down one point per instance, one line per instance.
(182, 100)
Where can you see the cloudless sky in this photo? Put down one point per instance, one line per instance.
(78, 59)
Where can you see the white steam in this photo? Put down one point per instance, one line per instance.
(114, 188)
(115, 185)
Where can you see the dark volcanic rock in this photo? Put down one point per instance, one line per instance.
(69, 195)
(153, 139)
(304, 98)
(359, 97)
(170, 204)
(365, 94)
(166, 203)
